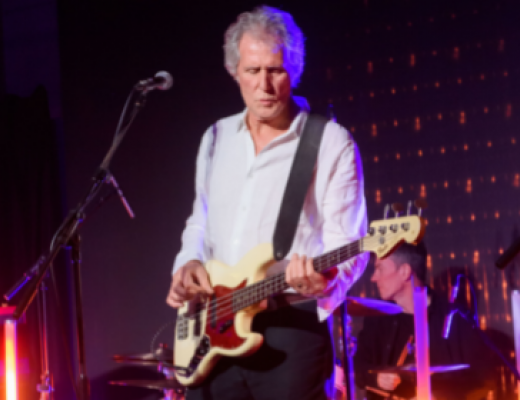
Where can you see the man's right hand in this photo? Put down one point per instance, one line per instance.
(190, 280)
(388, 381)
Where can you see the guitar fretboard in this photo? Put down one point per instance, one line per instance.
(275, 284)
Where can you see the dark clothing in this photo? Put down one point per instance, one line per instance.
(382, 340)
(294, 361)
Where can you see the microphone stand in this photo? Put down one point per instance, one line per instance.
(67, 236)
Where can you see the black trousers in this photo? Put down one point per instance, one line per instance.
(293, 363)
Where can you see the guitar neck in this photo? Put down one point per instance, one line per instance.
(276, 284)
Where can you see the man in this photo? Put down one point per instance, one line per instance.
(387, 341)
(242, 168)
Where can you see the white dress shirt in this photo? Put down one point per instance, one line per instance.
(238, 196)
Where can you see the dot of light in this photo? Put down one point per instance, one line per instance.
(420, 153)
(473, 217)
(398, 156)
(476, 257)
(449, 219)
(370, 67)
(439, 116)
(376, 159)
(465, 147)
(443, 150)
(412, 60)
(395, 122)
(462, 118)
(497, 215)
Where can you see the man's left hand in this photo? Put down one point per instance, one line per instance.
(301, 276)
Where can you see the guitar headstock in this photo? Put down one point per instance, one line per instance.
(384, 236)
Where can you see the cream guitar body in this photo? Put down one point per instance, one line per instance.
(229, 336)
(207, 329)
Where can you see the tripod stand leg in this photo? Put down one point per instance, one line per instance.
(83, 383)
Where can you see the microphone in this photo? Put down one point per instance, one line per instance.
(448, 319)
(509, 254)
(119, 192)
(162, 80)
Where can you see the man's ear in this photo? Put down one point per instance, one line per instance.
(405, 271)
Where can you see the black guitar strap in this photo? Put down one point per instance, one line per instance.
(298, 184)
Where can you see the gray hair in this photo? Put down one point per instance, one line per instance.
(271, 22)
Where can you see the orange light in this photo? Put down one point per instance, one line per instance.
(396, 123)
(452, 256)
(414, 87)
(400, 190)
(351, 98)
(376, 159)
(353, 129)
(446, 184)
(378, 196)
(501, 251)
(462, 118)
(429, 262)
(374, 130)
(412, 60)
(508, 110)
(371, 94)
(420, 153)
(489, 144)
(516, 181)
(473, 217)
(482, 77)
(493, 179)
(497, 214)
(476, 257)
(456, 53)
(439, 116)
(468, 186)
(423, 191)
(392, 90)
(465, 147)
(443, 150)
(513, 141)
(417, 126)
(370, 67)
(505, 73)
(459, 81)
(449, 219)
(398, 156)
(437, 84)
(486, 110)
(10, 360)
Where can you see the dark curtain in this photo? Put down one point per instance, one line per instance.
(31, 210)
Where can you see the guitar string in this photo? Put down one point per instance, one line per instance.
(217, 305)
(272, 280)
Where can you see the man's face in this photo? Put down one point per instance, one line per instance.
(388, 277)
(264, 82)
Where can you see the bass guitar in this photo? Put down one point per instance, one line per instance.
(207, 329)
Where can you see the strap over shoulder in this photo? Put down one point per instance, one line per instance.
(298, 184)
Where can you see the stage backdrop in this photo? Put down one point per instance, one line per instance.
(429, 90)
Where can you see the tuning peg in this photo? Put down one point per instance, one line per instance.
(397, 208)
(386, 211)
(409, 207)
(420, 204)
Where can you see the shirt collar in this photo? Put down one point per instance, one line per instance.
(296, 124)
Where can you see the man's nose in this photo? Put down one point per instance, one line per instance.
(265, 80)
